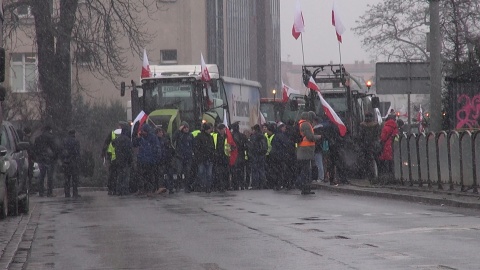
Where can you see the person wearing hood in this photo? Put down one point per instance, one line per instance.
(281, 145)
(70, 159)
(149, 153)
(46, 154)
(124, 160)
(389, 131)
(183, 143)
(306, 151)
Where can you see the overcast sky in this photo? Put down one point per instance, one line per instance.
(319, 39)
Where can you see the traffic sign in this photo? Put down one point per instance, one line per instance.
(402, 77)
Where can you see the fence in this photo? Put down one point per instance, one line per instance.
(444, 159)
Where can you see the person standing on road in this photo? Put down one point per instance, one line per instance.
(149, 152)
(70, 161)
(257, 150)
(124, 160)
(109, 157)
(369, 135)
(306, 152)
(280, 146)
(45, 153)
(165, 168)
(318, 150)
(183, 142)
(27, 137)
(238, 168)
(204, 154)
(221, 160)
(389, 131)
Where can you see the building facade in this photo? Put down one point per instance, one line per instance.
(241, 36)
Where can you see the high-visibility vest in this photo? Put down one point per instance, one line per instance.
(195, 133)
(226, 146)
(269, 143)
(305, 141)
(110, 148)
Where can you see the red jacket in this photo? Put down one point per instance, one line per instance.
(389, 131)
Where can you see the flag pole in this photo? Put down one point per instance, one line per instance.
(340, 54)
(303, 54)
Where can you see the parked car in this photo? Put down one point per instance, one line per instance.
(14, 189)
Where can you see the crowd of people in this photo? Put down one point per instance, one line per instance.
(269, 156)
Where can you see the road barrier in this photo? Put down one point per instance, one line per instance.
(443, 159)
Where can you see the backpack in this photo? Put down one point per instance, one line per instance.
(297, 136)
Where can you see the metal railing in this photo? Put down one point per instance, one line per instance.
(443, 159)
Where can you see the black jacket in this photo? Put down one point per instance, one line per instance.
(241, 143)
(45, 149)
(123, 149)
(71, 151)
(257, 146)
(204, 148)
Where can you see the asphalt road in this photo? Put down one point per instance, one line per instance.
(250, 230)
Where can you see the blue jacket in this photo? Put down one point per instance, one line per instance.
(149, 147)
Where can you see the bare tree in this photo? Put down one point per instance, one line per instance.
(92, 30)
(397, 30)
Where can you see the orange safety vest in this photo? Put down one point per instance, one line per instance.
(305, 141)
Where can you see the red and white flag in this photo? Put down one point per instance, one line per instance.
(230, 141)
(337, 22)
(313, 85)
(138, 122)
(205, 73)
(287, 91)
(331, 114)
(298, 22)
(145, 66)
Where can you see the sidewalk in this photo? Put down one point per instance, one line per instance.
(426, 195)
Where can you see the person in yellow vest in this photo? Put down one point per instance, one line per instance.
(306, 152)
(270, 165)
(221, 159)
(108, 155)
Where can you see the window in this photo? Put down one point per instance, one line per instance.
(24, 11)
(168, 57)
(23, 75)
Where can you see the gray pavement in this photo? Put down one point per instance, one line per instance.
(17, 232)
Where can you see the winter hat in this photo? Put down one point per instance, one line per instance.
(280, 124)
(257, 128)
(185, 124)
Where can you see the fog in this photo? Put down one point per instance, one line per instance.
(319, 40)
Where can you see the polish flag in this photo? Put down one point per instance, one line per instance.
(230, 141)
(286, 91)
(145, 66)
(138, 122)
(205, 73)
(298, 22)
(313, 85)
(337, 22)
(331, 114)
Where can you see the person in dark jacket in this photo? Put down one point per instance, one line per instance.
(183, 142)
(204, 154)
(46, 154)
(124, 159)
(70, 161)
(165, 168)
(149, 151)
(238, 168)
(281, 144)
(369, 134)
(290, 156)
(257, 150)
(221, 160)
(334, 163)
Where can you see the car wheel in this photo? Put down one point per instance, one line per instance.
(12, 187)
(4, 205)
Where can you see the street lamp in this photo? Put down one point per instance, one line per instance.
(274, 92)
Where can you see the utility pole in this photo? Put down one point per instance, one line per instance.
(435, 67)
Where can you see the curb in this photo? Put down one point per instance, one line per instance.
(421, 198)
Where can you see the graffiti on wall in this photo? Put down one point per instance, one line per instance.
(468, 116)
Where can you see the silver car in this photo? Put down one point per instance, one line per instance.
(14, 188)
